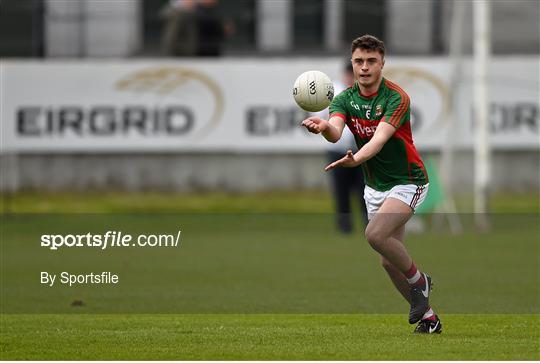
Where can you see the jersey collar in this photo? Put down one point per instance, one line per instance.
(370, 96)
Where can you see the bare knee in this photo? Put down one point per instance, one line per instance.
(375, 236)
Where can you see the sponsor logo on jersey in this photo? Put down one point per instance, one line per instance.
(366, 131)
(363, 128)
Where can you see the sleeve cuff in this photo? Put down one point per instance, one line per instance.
(337, 114)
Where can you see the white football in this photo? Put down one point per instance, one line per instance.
(313, 91)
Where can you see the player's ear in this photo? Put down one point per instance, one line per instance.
(382, 63)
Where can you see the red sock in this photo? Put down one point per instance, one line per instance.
(429, 315)
(414, 277)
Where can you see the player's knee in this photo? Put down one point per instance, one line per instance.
(375, 236)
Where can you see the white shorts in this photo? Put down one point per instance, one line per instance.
(410, 194)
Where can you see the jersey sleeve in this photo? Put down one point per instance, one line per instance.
(398, 109)
(338, 107)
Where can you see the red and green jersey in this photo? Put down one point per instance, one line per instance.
(398, 161)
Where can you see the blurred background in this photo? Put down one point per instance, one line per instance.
(190, 96)
(186, 107)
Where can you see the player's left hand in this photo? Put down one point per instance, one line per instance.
(347, 161)
(315, 124)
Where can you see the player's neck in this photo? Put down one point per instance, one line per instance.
(368, 91)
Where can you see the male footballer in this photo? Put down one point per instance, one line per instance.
(377, 112)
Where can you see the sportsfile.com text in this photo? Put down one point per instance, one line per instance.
(109, 239)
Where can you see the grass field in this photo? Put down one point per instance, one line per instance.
(304, 202)
(274, 337)
(276, 283)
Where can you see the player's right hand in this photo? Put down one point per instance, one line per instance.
(315, 124)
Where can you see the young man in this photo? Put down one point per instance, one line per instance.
(377, 112)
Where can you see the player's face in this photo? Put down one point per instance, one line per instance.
(367, 67)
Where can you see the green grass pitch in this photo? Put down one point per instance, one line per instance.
(269, 337)
(275, 284)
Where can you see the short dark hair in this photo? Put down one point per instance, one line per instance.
(369, 43)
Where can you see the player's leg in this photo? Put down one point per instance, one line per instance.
(385, 234)
(383, 225)
(398, 278)
(373, 200)
(430, 323)
(392, 215)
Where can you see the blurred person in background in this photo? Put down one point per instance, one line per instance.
(193, 28)
(346, 182)
(211, 29)
(179, 36)
(378, 113)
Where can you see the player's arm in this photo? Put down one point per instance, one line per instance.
(331, 129)
(397, 113)
(383, 133)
